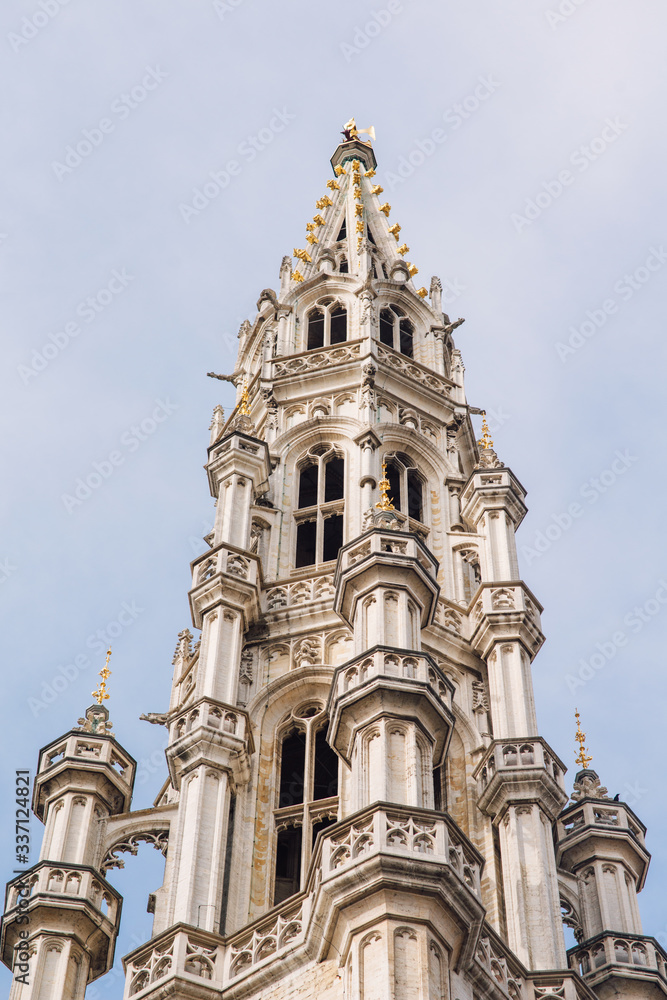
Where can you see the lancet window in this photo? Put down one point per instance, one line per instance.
(396, 330)
(320, 506)
(326, 324)
(307, 796)
(406, 487)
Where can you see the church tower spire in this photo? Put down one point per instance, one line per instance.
(359, 805)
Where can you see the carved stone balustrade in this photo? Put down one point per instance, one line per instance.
(64, 898)
(605, 829)
(208, 728)
(400, 832)
(626, 962)
(513, 770)
(95, 762)
(228, 571)
(505, 612)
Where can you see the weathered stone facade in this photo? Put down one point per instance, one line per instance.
(359, 805)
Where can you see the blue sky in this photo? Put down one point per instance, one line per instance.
(522, 147)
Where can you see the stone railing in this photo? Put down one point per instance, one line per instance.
(598, 812)
(309, 361)
(630, 950)
(390, 662)
(285, 595)
(212, 715)
(391, 542)
(498, 598)
(227, 559)
(82, 747)
(502, 967)
(197, 957)
(514, 756)
(68, 882)
(413, 370)
(400, 832)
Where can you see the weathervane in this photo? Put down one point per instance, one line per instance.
(101, 694)
(384, 502)
(583, 759)
(350, 131)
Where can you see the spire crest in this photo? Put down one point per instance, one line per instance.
(583, 758)
(101, 694)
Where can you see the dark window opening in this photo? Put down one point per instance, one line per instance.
(326, 768)
(315, 330)
(394, 477)
(334, 479)
(321, 825)
(338, 330)
(288, 864)
(292, 764)
(344, 269)
(438, 787)
(387, 328)
(308, 486)
(414, 496)
(370, 236)
(384, 271)
(306, 542)
(333, 537)
(406, 329)
(343, 231)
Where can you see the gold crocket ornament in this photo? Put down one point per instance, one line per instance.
(384, 503)
(583, 758)
(101, 694)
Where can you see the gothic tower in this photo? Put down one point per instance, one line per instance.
(358, 804)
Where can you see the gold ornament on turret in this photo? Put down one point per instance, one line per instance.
(384, 503)
(376, 189)
(244, 405)
(310, 226)
(395, 230)
(297, 276)
(422, 292)
(485, 441)
(324, 202)
(302, 255)
(318, 220)
(412, 269)
(101, 694)
(333, 185)
(582, 757)
(403, 249)
(311, 238)
(369, 173)
(386, 208)
(338, 170)
(358, 209)
(357, 191)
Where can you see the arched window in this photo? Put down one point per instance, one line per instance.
(307, 802)
(320, 504)
(326, 324)
(406, 487)
(342, 233)
(343, 266)
(396, 330)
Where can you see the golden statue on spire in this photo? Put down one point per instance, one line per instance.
(485, 441)
(384, 502)
(350, 131)
(583, 759)
(244, 405)
(101, 694)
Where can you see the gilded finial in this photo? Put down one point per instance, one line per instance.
(244, 405)
(485, 441)
(101, 694)
(582, 758)
(384, 502)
